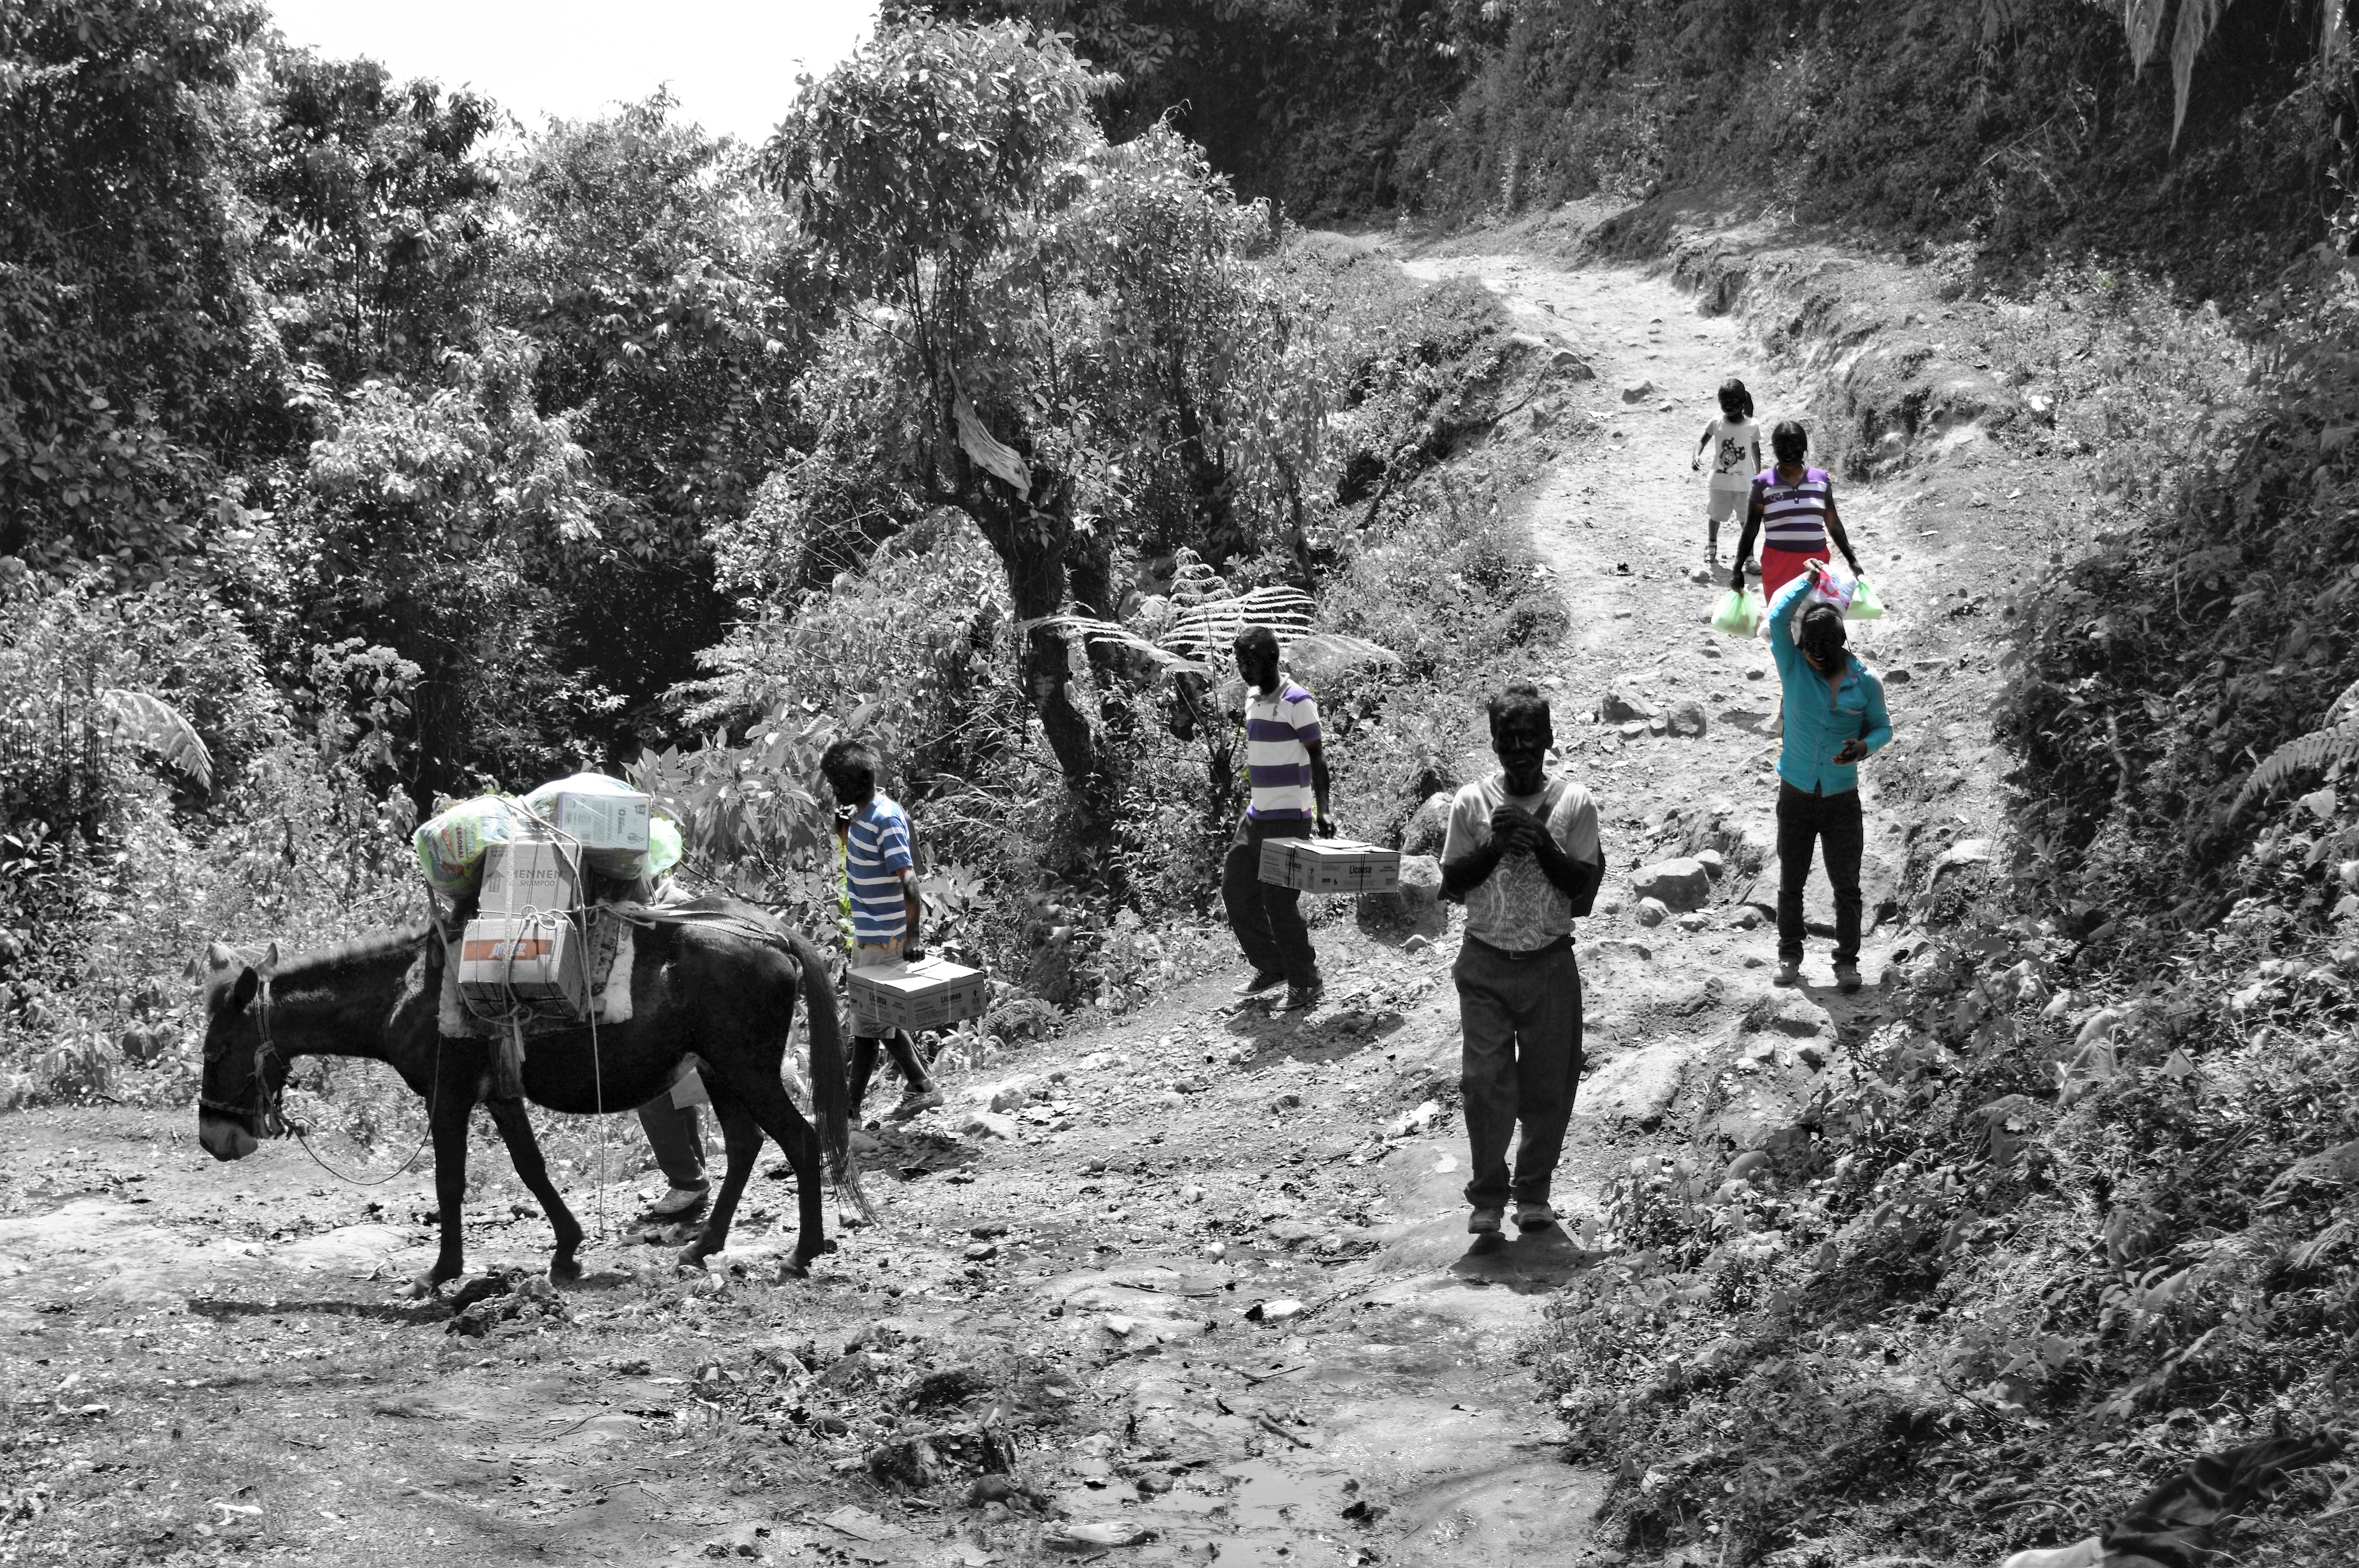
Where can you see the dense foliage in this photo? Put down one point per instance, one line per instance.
(349, 461)
(2021, 123)
(122, 321)
(1309, 102)
(2027, 1250)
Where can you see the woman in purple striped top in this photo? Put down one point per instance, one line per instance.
(1795, 503)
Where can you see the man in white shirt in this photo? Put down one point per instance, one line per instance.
(1523, 856)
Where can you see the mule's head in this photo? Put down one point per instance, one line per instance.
(242, 1079)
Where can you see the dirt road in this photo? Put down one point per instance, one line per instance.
(1209, 1270)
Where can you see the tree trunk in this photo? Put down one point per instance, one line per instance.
(1089, 579)
(1220, 538)
(1032, 542)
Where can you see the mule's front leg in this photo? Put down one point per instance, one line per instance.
(448, 1118)
(524, 1152)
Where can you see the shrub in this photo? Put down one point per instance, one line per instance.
(118, 870)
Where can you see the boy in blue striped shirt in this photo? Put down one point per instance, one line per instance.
(880, 895)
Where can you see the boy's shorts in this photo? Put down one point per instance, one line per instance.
(1728, 505)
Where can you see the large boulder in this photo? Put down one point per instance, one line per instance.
(1636, 1085)
(1618, 706)
(1415, 907)
(1429, 826)
(1011, 1096)
(1551, 358)
(1680, 885)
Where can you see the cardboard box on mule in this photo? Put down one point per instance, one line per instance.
(527, 876)
(536, 957)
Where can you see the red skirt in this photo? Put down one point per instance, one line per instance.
(1780, 567)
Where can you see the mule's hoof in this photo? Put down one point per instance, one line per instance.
(688, 1258)
(564, 1271)
(794, 1269)
(424, 1285)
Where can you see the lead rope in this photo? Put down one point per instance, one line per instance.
(275, 1105)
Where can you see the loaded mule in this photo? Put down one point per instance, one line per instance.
(710, 978)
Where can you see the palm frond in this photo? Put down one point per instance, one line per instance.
(2142, 20)
(2196, 20)
(155, 725)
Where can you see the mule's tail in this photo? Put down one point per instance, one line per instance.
(830, 1083)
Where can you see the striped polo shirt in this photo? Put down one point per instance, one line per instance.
(1280, 728)
(1794, 516)
(877, 850)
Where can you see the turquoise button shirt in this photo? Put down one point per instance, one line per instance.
(1819, 721)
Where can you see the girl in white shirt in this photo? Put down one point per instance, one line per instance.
(1734, 442)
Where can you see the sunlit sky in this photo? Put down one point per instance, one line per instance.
(731, 64)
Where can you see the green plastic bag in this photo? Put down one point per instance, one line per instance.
(654, 862)
(1864, 605)
(451, 847)
(1738, 614)
(665, 846)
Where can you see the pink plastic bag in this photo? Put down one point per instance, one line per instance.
(1830, 584)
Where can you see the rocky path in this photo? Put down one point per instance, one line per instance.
(1207, 1269)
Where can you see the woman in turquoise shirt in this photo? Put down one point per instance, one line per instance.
(1835, 719)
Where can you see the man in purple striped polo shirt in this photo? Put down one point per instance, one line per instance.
(1285, 771)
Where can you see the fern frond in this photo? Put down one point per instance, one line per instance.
(2343, 707)
(1323, 655)
(1205, 631)
(2313, 752)
(155, 725)
(1197, 649)
(1192, 581)
(1108, 633)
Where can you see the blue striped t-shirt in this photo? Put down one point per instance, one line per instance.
(1280, 728)
(877, 850)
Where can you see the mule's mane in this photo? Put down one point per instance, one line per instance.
(373, 945)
